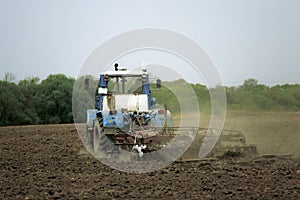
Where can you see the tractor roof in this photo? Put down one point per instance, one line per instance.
(124, 73)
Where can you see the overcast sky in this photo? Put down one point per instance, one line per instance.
(245, 39)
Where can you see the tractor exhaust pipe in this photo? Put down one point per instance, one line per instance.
(116, 66)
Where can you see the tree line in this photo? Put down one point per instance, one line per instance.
(250, 96)
(31, 101)
(254, 96)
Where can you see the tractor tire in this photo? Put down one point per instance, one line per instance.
(101, 142)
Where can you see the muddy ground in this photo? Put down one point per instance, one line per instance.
(46, 162)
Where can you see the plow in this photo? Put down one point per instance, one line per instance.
(127, 124)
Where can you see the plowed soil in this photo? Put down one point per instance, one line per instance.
(49, 162)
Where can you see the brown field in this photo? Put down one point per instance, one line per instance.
(49, 162)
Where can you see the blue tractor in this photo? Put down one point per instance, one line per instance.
(125, 115)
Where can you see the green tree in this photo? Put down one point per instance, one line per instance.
(249, 83)
(10, 104)
(28, 88)
(54, 99)
(203, 97)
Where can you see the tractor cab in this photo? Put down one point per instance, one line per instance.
(126, 83)
(124, 90)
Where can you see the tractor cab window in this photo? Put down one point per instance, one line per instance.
(125, 85)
